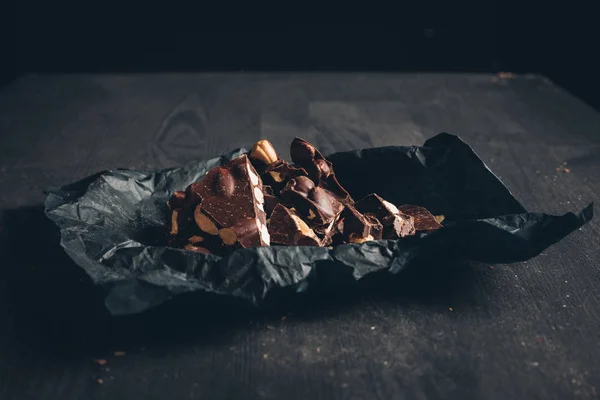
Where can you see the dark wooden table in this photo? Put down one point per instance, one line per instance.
(521, 331)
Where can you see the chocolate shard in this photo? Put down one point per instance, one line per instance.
(326, 232)
(287, 228)
(317, 205)
(358, 228)
(232, 194)
(395, 224)
(423, 219)
(403, 226)
(176, 200)
(319, 169)
(278, 174)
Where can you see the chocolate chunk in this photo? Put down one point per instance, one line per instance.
(233, 194)
(326, 232)
(357, 228)
(403, 226)
(395, 224)
(424, 220)
(314, 203)
(287, 228)
(319, 169)
(278, 174)
(176, 200)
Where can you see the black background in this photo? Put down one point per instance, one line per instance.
(487, 36)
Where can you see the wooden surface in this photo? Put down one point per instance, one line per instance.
(521, 331)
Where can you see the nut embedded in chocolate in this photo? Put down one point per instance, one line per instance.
(176, 220)
(279, 173)
(263, 152)
(245, 233)
(312, 202)
(204, 222)
(287, 228)
(357, 228)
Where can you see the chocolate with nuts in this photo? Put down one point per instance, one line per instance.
(395, 224)
(278, 174)
(230, 194)
(288, 228)
(357, 228)
(262, 155)
(424, 220)
(317, 205)
(305, 204)
(319, 169)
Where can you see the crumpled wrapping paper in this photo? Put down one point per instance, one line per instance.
(112, 224)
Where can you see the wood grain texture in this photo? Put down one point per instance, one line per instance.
(520, 331)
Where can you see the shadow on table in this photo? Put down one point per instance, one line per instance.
(56, 311)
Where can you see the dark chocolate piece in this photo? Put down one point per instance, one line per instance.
(278, 174)
(357, 228)
(395, 224)
(403, 226)
(270, 200)
(287, 228)
(319, 169)
(326, 232)
(176, 200)
(424, 220)
(317, 205)
(233, 193)
(192, 197)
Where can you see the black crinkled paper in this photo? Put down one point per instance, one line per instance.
(112, 224)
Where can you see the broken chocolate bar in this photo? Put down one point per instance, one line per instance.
(287, 228)
(424, 220)
(395, 224)
(319, 169)
(357, 228)
(318, 205)
(230, 194)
